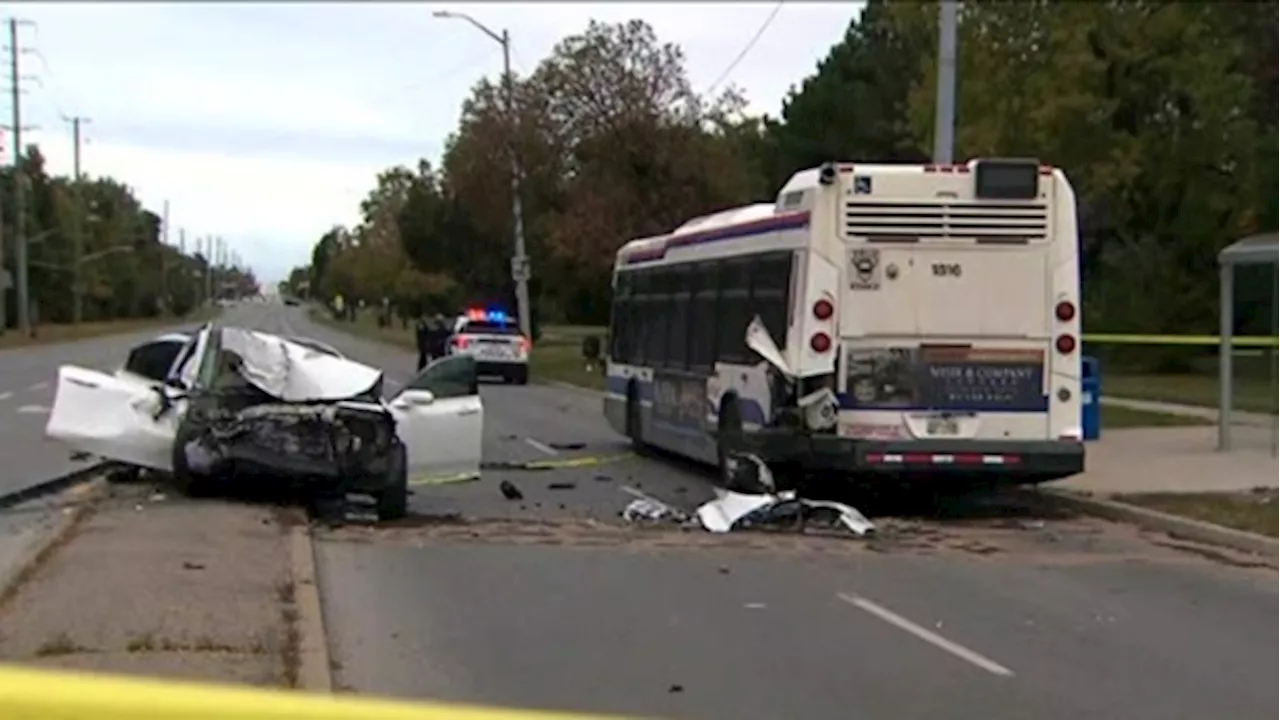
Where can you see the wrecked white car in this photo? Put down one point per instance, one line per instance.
(237, 402)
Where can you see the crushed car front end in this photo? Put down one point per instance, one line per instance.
(339, 446)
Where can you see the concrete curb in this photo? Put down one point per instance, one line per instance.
(88, 491)
(1173, 525)
(313, 644)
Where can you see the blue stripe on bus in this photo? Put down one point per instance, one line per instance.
(752, 411)
(788, 221)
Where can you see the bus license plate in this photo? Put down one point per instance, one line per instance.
(943, 426)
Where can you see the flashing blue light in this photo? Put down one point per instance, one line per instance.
(493, 315)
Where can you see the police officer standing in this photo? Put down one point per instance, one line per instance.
(422, 331)
(440, 336)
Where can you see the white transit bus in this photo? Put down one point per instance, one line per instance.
(876, 319)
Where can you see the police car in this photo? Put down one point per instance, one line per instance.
(493, 338)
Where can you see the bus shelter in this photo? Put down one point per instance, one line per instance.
(1249, 299)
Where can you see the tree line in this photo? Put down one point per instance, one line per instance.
(1163, 115)
(125, 268)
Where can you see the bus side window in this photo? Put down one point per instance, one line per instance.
(678, 318)
(770, 282)
(702, 311)
(733, 310)
(619, 325)
(640, 320)
(659, 316)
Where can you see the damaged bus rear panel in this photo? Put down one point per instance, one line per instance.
(877, 319)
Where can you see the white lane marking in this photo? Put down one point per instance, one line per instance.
(5, 395)
(541, 447)
(33, 410)
(928, 636)
(39, 386)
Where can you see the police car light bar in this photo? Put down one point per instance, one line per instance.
(491, 315)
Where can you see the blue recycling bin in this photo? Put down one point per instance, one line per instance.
(1090, 398)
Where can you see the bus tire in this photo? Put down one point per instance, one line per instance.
(728, 439)
(635, 421)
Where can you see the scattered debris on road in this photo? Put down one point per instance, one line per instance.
(510, 491)
(562, 485)
(567, 445)
(508, 465)
(731, 511)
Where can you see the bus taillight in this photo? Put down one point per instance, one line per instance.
(1065, 311)
(820, 342)
(823, 309)
(1065, 344)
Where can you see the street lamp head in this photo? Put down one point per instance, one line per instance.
(443, 14)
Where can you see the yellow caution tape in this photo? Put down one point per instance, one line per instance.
(28, 694)
(1239, 341)
(567, 463)
(444, 479)
(577, 462)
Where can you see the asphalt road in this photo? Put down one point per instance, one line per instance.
(550, 602)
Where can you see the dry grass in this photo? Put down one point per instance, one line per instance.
(1253, 511)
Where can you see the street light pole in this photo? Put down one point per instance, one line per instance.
(520, 268)
(944, 111)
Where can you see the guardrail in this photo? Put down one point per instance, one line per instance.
(27, 693)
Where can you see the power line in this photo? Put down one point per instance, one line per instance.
(747, 48)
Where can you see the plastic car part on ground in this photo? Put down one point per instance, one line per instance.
(731, 511)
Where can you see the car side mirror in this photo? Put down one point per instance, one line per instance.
(416, 397)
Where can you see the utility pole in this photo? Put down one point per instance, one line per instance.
(21, 289)
(520, 269)
(944, 117)
(77, 239)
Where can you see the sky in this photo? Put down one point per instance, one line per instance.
(267, 123)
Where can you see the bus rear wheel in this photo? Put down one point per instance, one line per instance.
(728, 441)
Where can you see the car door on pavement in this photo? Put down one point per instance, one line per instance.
(440, 419)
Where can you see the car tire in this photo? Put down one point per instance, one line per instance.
(520, 376)
(184, 480)
(393, 499)
(728, 439)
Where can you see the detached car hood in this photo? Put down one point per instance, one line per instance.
(295, 373)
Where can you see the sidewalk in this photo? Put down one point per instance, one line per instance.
(162, 588)
(1181, 459)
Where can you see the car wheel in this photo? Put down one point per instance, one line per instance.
(185, 481)
(393, 499)
(520, 376)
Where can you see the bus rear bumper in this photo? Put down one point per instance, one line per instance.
(1018, 460)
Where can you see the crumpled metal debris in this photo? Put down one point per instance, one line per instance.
(647, 509)
(737, 511)
(731, 511)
